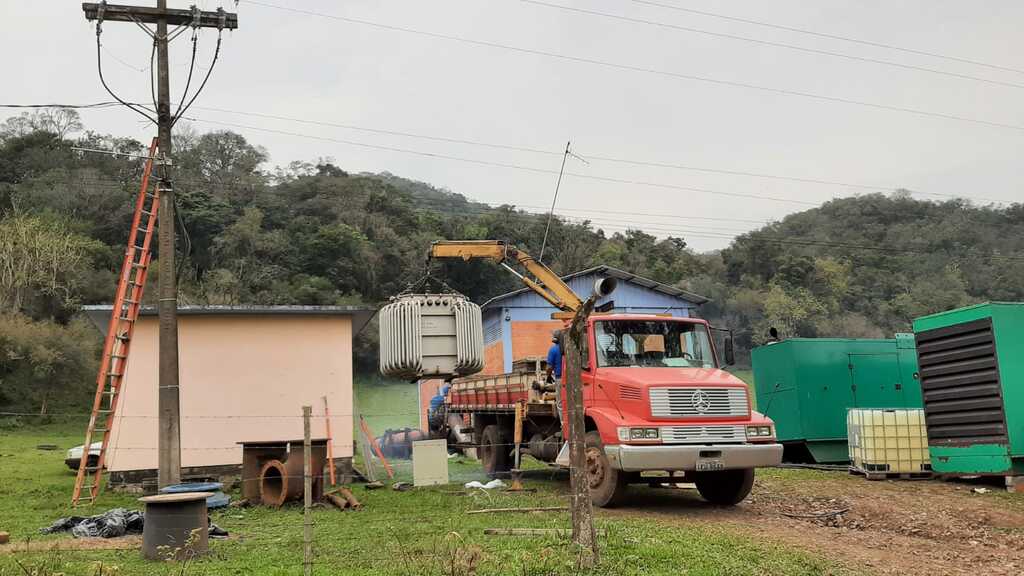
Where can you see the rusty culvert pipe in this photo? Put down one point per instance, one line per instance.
(281, 482)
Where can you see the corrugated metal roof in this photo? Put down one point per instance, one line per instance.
(620, 275)
(361, 315)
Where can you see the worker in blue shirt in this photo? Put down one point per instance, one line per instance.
(555, 369)
(434, 414)
(555, 358)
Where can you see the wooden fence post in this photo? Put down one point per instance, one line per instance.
(307, 464)
(583, 533)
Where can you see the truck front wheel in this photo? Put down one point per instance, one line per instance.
(494, 451)
(727, 487)
(607, 485)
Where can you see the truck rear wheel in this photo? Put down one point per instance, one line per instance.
(727, 487)
(494, 451)
(607, 485)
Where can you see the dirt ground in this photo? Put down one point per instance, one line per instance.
(74, 544)
(923, 527)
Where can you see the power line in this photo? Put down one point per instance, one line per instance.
(686, 231)
(590, 157)
(69, 106)
(771, 43)
(655, 71)
(605, 222)
(507, 165)
(756, 236)
(831, 36)
(554, 199)
(489, 208)
(216, 52)
(123, 62)
(99, 69)
(531, 150)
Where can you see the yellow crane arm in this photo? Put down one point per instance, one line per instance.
(545, 282)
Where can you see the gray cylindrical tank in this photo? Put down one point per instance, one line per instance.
(176, 526)
(431, 336)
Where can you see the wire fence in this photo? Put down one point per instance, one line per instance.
(422, 525)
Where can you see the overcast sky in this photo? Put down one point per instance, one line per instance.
(310, 67)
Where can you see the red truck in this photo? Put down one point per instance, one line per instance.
(655, 398)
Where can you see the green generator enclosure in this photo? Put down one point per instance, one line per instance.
(972, 379)
(807, 385)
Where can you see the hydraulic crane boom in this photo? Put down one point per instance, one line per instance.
(544, 281)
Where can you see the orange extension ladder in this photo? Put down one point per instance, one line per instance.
(127, 301)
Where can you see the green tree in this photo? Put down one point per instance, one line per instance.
(42, 264)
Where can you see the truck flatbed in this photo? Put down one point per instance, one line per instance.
(501, 392)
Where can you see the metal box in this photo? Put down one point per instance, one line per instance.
(430, 462)
(431, 336)
(972, 376)
(807, 385)
(884, 442)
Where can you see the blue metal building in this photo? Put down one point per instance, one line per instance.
(519, 324)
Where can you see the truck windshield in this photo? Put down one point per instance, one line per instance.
(652, 343)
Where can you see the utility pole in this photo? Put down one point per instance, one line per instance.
(583, 533)
(169, 408)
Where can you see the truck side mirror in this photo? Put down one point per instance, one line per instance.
(730, 353)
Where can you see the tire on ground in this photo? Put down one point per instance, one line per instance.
(726, 487)
(607, 485)
(494, 452)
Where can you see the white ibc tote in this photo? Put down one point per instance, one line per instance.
(431, 336)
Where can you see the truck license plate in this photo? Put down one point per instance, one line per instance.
(710, 465)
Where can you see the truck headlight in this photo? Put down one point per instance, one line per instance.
(626, 434)
(759, 431)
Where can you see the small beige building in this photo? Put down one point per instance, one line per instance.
(245, 373)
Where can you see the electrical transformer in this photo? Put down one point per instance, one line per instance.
(431, 336)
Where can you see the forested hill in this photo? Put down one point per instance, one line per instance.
(312, 233)
(866, 266)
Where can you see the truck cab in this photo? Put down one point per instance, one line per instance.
(657, 401)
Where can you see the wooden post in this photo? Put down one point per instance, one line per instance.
(517, 439)
(307, 476)
(330, 442)
(168, 396)
(583, 533)
(371, 475)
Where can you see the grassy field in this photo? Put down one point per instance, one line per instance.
(386, 403)
(421, 532)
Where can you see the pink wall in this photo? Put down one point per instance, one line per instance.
(242, 378)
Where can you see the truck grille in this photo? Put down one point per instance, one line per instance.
(698, 402)
(702, 434)
(963, 400)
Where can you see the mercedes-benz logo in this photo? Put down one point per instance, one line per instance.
(701, 401)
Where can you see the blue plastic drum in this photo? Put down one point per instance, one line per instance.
(217, 500)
